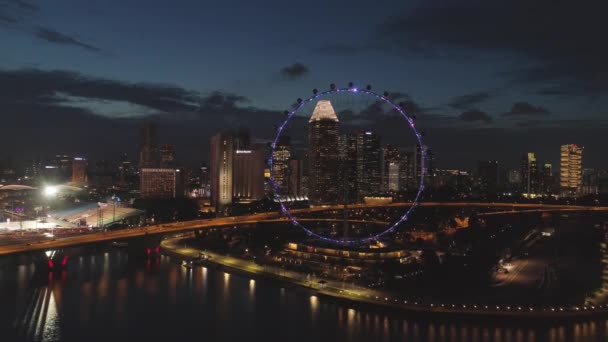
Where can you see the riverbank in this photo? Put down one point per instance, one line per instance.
(340, 291)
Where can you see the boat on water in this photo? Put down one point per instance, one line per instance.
(188, 264)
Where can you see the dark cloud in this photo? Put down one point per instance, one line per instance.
(294, 71)
(14, 11)
(475, 115)
(48, 88)
(55, 37)
(561, 43)
(469, 100)
(524, 109)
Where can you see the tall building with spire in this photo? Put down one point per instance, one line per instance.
(571, 168)
(323, 154)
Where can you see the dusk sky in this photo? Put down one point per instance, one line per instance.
(486, 79)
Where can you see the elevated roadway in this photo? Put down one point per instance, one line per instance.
(185, 226)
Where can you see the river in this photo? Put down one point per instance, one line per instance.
(105, 296)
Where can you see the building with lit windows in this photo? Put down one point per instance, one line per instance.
(79, 171)
(167, 156)
(529, 176)
(222, 154)
(369, 177)
(487, 176)
(280, 164)
(160, 183)
(571, 169)
(323, 154)
(390, 168)
(248, 174)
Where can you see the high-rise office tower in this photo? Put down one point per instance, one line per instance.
(571, 168)
(148, 156)
(529, 175)
(428, 167)
(408, 176)
(280, 164)
(161, 183)
(546, 178)
(347, 169)
(222, 154)
(248, 173)
(369, 178)
(167, 156)
(296, 177)
(79, 171)
(323, 154)
(487, 176)
(390, 168)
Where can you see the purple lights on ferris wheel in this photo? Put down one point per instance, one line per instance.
(384, 98)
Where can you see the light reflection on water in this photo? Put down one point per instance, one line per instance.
(160, 299)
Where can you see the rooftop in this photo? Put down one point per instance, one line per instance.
(323, 111)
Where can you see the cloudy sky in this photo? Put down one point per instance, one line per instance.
(485, 79)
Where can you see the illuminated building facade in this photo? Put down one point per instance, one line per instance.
(530, 176)
(390, 168)
(79, 171)
(248, 173)
(369, 178)
(280, 167)
(347, 168)
(222, 153)
(323, 154)
(571, 168)
(160, 183)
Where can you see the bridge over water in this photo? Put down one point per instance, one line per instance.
(155, 233)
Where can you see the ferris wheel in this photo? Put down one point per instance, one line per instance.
(321, 101)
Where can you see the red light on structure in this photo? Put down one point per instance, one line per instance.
(148, 251)
(50, 263)
(157, 249)
(64, 261)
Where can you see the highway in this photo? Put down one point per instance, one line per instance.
(178, 227)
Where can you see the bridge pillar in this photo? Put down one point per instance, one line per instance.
(53, 260)
(144, 246)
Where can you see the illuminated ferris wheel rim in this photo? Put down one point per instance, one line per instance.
(351, 89)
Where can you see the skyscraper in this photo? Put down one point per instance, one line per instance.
(571, 167)
(369, 179)
(390, 168)
(296, 177)
(148, 156)
(408, 176)
(167, 156)
(280, 164)
(248, 173)
(347, 186)
(323, 154)
(529, 175)
(222, 153)
(79, 172)
(487, 176)
(161, 183)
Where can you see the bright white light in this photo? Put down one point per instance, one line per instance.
(50, 191)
